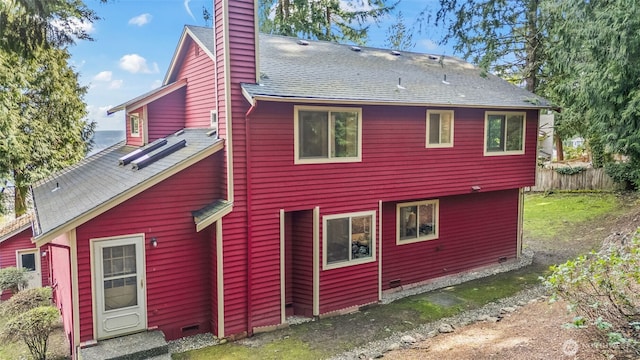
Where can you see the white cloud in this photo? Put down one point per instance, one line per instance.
(76, 25)
(103, 76)
(105, 122)
(141, 20)
(116, 84)
(428, 44)
(186, 7)
(135, 64)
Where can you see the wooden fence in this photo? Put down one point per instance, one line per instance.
(590, 179)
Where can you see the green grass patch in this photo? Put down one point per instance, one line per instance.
(547, 215)
(282, 349)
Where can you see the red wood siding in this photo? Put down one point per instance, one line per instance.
(239, 247)
(21, 241)
(200, 93)
(179, 270)
(396, 166)
(299, 262)
(166, 115)
(475, 230)
(135, 140)
(61, 277)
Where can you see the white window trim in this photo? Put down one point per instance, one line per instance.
(436, 220)
(440, 144)
(296, 140)
(214, 126)
(486, 130)
(337, 265)
(137, 132)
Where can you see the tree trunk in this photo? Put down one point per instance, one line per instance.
(20, 200)
(559, 149)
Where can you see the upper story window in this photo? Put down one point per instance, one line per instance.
(504, 133)
(325, 135)
(349, 239)
(134, 123)
(417, 221)
(439, 128)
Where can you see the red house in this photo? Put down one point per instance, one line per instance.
(271, 176)
(17, 250)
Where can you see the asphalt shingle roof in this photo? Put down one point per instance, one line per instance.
(15, 226)
(329, 71)
(94, 181)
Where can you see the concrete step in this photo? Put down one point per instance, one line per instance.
(140, 346)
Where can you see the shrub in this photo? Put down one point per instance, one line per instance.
(12, 278)
(604, 289)
(33, 327)
(568, 170)
(625, 173)
(26, 300)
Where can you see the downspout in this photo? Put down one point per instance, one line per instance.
(249, 222)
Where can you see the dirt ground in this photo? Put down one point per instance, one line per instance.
(537, 330)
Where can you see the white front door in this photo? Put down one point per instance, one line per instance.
(120, 286)
(30, 261)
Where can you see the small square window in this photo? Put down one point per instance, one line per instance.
(349, 239)
(417, 221)
(439, 128)
(504, 133)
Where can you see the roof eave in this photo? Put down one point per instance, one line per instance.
(252, 98)
(152, 96)
(50, 235)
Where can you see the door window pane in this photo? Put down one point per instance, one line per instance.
(120, 289)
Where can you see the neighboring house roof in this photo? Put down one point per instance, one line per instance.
(328, 72)
(98, 183)
(16, 226)
(148, 97)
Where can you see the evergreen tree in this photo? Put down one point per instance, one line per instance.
(26, 25)
(504, 37)
(42, 126)
(399, 36)
(595, 50)
(331, 20)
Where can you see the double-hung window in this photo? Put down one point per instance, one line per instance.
(417, 221)
(349, 239)
(134, 124)
(439, 128)
(504, 133)
(327, 135)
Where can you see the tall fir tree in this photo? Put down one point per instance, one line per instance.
(42, 125)
(330, 20)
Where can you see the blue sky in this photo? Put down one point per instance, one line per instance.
(135, 40)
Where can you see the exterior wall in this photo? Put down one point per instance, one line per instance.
(238, 246)
(178, 271)
(200, 97)
(166, 115)
(21, 241)
(475, 230)
(62, 291)
(395, 167)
